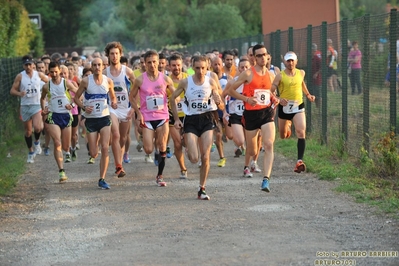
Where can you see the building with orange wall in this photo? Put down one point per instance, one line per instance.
(282, 14)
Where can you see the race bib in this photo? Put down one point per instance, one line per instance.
(291, 108)
(262, 96)
(237, 107)
(58, 103)
(122, 99)
(98, 105)
(155, 102)
(198, 105)
(180, 106)
(31, 91)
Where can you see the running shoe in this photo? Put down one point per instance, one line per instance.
(68, 157)
(183, 174)
(224, 138)
(237, 152)
(169, 154)
(222, 162)
(300, 167)
(62, 177)
(47, 151)
(265, 185)
(247, 173)
(213, 147)
(38, 149)
(139, 146)
(120, 172)
(243, 151)
(199, 164)
(160, 181)
(126, 158)
(156, 159)
(77, 146)
(74, 155)
(202, 194)
(102, 184)
(255, 168)
(31, 158)
(148, 158)
(91, 160)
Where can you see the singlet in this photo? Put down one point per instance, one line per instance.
(236, 106)
(57, 97)
(96, 96)
(121, 88)
(290, 88)
(32, 88)
(153, 98)
(180, 111)
(259, 87)
(198, 98)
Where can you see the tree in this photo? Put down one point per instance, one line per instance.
(215, 22)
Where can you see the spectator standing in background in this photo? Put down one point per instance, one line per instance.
(355, 68)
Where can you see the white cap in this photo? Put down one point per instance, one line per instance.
(290, 56)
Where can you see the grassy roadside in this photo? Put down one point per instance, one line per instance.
(329, 165)
(12, 167)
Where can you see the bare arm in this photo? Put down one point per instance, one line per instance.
(15, 87)
(79, 92)
(43, 99)
(112, 96)
(132, 96)
(217, 94)
(43, 77)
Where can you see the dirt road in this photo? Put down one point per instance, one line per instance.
(301, 222)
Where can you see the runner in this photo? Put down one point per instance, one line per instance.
(291, 86)
(201, 98)
(96, 88)
(122, 116)
(153, 113)
(175, 62)
(59, 116)
(258, 116)
(27, 86)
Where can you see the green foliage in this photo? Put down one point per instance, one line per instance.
(357, 8)
(16, 30)
(37, 43)
(215, 22)
(386, 154)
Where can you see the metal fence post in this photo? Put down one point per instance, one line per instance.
(323, 42)
(290, 39)
(392, 69)
(344, 73)
(309, 78)
(277, 46)
(366, 82)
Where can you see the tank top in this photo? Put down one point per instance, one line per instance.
(290, 88)
(96, 96)
(121, 88)
(259, 87)
(236, 106)
(198, 98)
(32, 88)
(153, 98)
(57, 97)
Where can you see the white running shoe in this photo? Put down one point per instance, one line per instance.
(255, 168)
(30, 158)
(148, 158)
(247, 173)
(38, 149)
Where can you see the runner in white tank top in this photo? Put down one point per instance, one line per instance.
(121, 117)
(202, 97)
(96, 88)
(27, 86)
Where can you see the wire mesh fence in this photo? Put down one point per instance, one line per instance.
(9, 107)
(355, 106)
